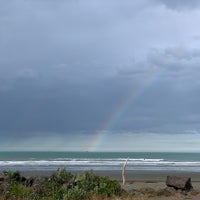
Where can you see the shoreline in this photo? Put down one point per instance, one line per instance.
(131, 175)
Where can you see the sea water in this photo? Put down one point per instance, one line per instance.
(99, 161)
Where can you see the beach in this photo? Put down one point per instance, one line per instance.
(154, 183)
(145, 185)
(145, 173)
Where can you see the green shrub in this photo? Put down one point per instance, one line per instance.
(60, 185)
(93, 184)
(13, 176)
(52, 189)
(75, 194)
(57, 184)
(18, 191)
(108, 187)
(88, 181)
(62, 177)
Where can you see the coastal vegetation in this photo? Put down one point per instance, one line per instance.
(60, 185)
(63, 185)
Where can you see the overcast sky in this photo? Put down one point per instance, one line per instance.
(68, 67)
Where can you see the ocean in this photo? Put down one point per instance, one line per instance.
(99, 161)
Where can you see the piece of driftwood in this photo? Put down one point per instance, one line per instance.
(182, 183)
(123, 172)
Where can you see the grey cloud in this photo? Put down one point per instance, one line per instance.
(181, 4)
(69, 65)
(26, 73)
(196, 37)
(172, 63)
(177, 61)
(56, 107)
(50, 35)
(172, 97)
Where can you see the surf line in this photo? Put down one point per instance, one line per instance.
(127, 102)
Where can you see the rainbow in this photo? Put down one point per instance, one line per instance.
(123, 107)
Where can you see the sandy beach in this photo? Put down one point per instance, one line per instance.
(137, 179)
(154, 182)
(144, 185)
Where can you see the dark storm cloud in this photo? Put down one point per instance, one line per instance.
(172, 91)
(40, 35)
(67, 66)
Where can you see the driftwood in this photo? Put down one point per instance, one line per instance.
(182, 183)
(123, 172)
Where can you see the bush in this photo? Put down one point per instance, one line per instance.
(52, 189)
(88, 181)
(60, 185)
(18, 191)
(62, 177)
(94, 184)
(13, 176)
(108, 187)
(75, 194)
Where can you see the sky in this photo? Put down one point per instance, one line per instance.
(99, 75)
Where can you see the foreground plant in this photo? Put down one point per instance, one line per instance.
(60, 185)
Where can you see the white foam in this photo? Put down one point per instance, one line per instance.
(144, 162)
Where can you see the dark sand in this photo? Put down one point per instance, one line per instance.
(154, 179)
